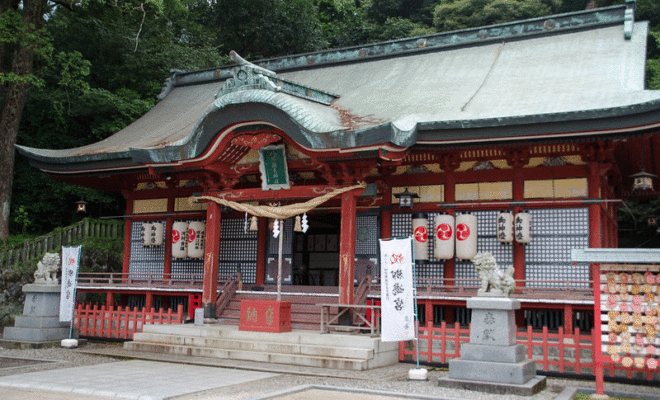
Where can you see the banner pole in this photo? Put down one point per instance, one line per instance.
(415, 301)
(75, 288)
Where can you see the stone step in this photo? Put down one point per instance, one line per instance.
(295, 336)
(258, 356)
(299, 347)
(256, 345)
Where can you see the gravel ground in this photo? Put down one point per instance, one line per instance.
(397, 382)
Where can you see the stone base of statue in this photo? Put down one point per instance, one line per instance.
(40, 322)
(492, 361)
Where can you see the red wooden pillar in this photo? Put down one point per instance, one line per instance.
(595, 213)
(212, 250)
(568, 318)
(347, 247)
(109, 299)
(262, 242)
(149, 300)
(167, 267)
(386, 215)
(127, 237)
(518, 248)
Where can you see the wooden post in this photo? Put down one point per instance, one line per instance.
(597, 353)
(347, 247)
(127, 239)
(262, 242)
(210, 285)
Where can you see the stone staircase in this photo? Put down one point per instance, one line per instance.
(304, 348)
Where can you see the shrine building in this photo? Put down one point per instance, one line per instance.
(519, 139)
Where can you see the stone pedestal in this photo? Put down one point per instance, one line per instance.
(40, 322)
(492, 361)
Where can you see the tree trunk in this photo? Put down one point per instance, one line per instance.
(12, 108)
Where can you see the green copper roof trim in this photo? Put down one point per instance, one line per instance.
(510, 31)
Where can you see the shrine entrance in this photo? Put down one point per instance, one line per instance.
(316, 252)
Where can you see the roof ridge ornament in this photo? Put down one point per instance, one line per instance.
(629, 19)
(246, 76)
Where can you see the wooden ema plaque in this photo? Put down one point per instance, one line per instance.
(265, 316)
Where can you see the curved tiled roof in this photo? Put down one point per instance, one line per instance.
(578, 73)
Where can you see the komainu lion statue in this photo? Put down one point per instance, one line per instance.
(494, 281)
(47, 269)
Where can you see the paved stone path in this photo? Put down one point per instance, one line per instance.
(137, 379)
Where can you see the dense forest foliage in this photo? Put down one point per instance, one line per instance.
(99, 64)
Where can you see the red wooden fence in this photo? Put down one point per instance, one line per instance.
(562, 353)
(118, 322)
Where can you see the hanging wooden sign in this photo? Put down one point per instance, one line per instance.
(273, 168)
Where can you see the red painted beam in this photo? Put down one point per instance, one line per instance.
(253, 194)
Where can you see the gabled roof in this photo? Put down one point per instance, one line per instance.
(572, 74)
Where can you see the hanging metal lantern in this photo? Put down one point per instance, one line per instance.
(523, 227)
(81, 206)
(466, 236)
(421, 237)
(505, 227)
(643, 180)
(196, 239)
(443, 248)
(180, 239)
(406, 199)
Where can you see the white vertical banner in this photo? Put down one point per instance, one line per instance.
(70, 264)
(396, 290)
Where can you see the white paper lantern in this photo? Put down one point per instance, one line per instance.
(523, 227)
(505, 227)
(420, 236)
(466, 236)
(152, 233)
(444, 237)
(196, 239)
(180, 239)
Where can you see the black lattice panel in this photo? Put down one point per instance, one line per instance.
(486, 242)
(248, 271)
(183, 268)
(237, 248)
(402, 227)
(367, 245)
(548, 257)
(145, 261)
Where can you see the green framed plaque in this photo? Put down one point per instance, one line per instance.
(273, 168)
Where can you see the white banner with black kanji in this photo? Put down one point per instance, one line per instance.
(396, 290)
(70, 264)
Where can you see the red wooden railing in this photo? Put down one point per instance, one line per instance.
(560, 352)
(120, 323)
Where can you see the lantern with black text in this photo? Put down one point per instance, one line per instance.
(466, 236)
(180, 239)
(421, 236)
(152, 233)
(444, 237)
(523, 227)
(505, 227)
(196, 239)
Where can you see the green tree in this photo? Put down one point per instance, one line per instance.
(266, 28)
(460, 14)
(22, 36)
